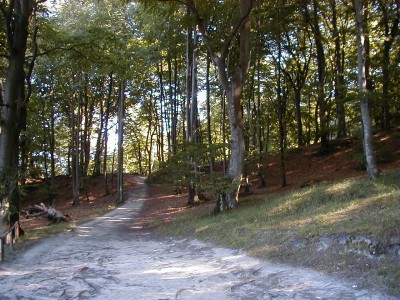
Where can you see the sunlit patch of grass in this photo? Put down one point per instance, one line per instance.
(267, 228)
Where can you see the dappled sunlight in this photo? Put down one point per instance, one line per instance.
(328, 218)
(11, 272)
(84, 231)
(297, 199)
(339, 187)
(179, 271)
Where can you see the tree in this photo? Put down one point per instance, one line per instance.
(314, 22)
(232, 83)
(390, 12)
(17, 16)
(372, 168)
(121, 102)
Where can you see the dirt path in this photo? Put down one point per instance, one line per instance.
(108, 259)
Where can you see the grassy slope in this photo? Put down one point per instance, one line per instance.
(313, 226)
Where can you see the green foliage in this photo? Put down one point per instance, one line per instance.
(188, 165)
(145, 43)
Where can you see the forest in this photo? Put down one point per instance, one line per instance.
(194, 89)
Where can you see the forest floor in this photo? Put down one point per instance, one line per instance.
(304, 166)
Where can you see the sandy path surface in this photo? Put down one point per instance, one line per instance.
(107, 259)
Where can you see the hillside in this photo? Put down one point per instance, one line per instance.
(311, 231)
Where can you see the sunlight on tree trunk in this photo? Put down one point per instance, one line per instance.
(372, 168)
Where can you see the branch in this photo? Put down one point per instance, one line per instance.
(71, 48)
(33, 60)
(234, 32)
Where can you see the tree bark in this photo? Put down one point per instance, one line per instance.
(13, 110)
(99, 143)
(281, 117)
(189, 55)
(339, 76)
(372, 168)
(208, 99)
(52, 214)
(106, 119)
(391, 32)
(75, 150)
(120, 190)
(321, 66)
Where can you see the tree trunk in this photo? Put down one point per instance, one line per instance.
(13, 109)
(391, 32)
(281, 118)
(339, 76)
(52, 191)
(323, 133)
(120, 190)
(372, 168)
(193, 135)
(106, 119)
(208, 99)
(99, 143)
(189, 55)
(75, 151)
(234, 89)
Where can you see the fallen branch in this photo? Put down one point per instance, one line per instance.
(41, 210)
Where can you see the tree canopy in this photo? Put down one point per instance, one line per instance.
(284, 72)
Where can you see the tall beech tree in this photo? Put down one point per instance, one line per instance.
(313, 18)
(17, 15)
(372, 168)
(232, 79)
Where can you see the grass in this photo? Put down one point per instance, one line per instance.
(355, 206)
(268, 226)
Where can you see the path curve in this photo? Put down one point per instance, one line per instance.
(107, 259)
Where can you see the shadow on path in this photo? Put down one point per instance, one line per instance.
(106, 259)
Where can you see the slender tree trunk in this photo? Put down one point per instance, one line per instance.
(281, 117)
(223, 129)
(99, 143)
(323, 133)
(106, 118)
(172, 131)
(391, 32)
(161, 118)
(208, 99)
(194, 107)
(52, 192)
(372, 168)
(189, 55)
(299, 122)
(193, 124)
(339, 77)
(76, 153)
(175, 108)
(120, 190)
(259, 120)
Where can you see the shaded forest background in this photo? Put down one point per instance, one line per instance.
(90, 64)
